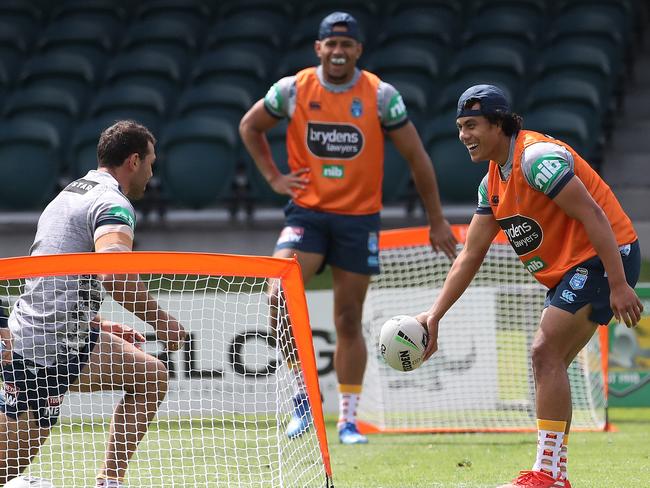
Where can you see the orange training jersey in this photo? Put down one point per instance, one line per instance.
(340, 138)
(545, 238)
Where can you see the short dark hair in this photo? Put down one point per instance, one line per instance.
(120, 140)
(510, 122)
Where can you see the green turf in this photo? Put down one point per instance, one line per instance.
(596, 460)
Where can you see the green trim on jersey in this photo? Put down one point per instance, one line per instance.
(483, 196)
(123, 214)
(545, 170)
(396, 110)
(273, 99)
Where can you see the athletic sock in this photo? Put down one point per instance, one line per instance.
(348, 401)
(105, 482)
(298, 377)
(550, 434)
(564, 458)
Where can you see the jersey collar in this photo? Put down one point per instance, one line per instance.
(335, 88)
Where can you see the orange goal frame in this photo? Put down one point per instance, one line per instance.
(285, 269)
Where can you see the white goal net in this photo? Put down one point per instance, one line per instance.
(481, 377)
(230, 393)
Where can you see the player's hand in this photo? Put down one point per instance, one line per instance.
(626, 305)
(430, 323)
(291, 184)
(129, 334)
(442, 238)
(172, 334)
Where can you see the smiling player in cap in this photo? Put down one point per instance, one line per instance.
(570, 233)
(338, 115)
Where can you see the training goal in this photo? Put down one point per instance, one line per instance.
(222, 422)
(480, 379)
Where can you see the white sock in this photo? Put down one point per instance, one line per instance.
(301, 389)
(550, 434)
(564, 459)
(348, 401)
(109, 483)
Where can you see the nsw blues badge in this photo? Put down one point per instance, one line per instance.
(356, 109)
(373, 242)
(578, 280)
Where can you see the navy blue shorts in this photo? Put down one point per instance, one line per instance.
(349, 242)
(27, 386)
(587, 284)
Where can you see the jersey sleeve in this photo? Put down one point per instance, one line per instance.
(279, 99)
(391, 107)
(112, 208)
(483, 207)
(547, 167)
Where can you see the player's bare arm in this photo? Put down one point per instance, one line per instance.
(481, 232)
(575, 200)
(252, 129)
(133, 295)
(408, 143)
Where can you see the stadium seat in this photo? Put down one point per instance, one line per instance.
(143, 104)
(498, 64)
(256, 8)
(505, 28)
(447, 11)
(573, 60)
(190, 12)
(305, 33)
(218, 100)
(413, 65)
(256, 34)
(69, 72)
(24, 14)
(167, 36)
(198, 160)
(82, 150)
(90, 39)
(45, 104)
(561, 124)
(99, 11)
(531, 8)
(146, 68)
(294, 61)
(442, 126)
(575, 96)
(242, 68)
(29, 163)
(601, 30)
(397, 175)
(415, 29)
(14, 46)
(260, 191)
(458, 176)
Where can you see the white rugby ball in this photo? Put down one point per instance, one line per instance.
(402, 342)
(29, 482)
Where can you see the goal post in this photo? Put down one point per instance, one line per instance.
(222, 422)
(480, 379)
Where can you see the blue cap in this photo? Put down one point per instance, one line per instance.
(341, 19)
(491, 98)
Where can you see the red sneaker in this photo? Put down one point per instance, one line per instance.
(536, 479)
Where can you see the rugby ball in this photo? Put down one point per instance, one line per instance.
(402, 342)
(29, 482)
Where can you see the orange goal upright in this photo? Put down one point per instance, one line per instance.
(480, 379)
(222, 423)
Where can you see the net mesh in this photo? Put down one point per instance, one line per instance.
(481, 376)
(222, 421)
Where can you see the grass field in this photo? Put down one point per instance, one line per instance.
(596, 459)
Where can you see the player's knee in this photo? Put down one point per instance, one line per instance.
(543, 357)
(157, 379)
(348, 323)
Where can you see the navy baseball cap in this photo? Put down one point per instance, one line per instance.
(491, 98)
(340, 19)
